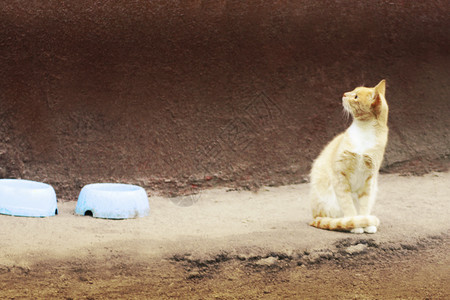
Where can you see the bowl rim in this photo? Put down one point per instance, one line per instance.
(112, 187)
(24, 184)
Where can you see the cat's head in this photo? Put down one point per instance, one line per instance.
(366, 104)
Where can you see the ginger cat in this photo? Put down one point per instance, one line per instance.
(344, 176)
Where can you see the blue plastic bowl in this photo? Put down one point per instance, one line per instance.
(112, 201)
(27, 198)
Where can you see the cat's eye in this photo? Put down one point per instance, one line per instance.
(356, 97)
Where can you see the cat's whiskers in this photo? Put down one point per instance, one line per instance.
(346, 110)
(346, 114)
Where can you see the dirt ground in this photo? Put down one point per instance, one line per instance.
(227, 244)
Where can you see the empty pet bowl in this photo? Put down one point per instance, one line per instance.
(27, 198)
(112, 201)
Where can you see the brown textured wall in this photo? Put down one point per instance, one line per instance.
(170, 94)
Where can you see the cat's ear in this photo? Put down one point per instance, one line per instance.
(380, 88)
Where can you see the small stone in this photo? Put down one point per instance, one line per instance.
(313, 257)
(326, 254)
(359, 248)
(270, 261)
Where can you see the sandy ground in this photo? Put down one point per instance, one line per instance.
(235, 244)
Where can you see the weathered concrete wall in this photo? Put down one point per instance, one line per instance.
(170, 94)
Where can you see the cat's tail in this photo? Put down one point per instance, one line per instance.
(346, 223)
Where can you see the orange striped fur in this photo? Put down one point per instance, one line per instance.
(345, 224)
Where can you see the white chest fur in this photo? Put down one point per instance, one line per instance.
(362, 136)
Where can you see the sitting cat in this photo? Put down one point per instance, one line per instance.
(344, 176)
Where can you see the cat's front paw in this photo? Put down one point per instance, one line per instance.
(370, 229)
(357, 230)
